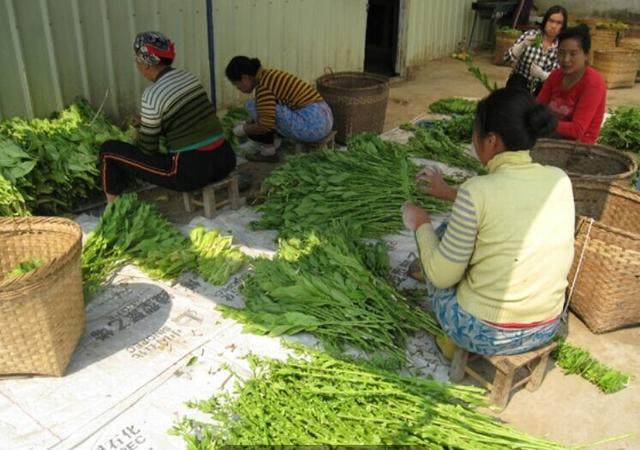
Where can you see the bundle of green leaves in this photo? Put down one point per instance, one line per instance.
(234, 115)
(453, 105)
(131, 231)
(622, 129)
(60, 168)
(334, 287)
(434, 144)
(217, 258)
(362, 187)
(321, 400)
(575, 360)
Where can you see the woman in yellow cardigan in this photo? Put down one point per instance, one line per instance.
(497, 271)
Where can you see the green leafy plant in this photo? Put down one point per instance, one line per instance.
(319, 400)
(360, 186)
(234, 115)
(57, 157)
(334, 287)
(453, 105)
(11, 201)
(131, 231)
(575, 360)
(622, 129)
(433, 143)
(217, 258)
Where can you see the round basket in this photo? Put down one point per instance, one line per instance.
(618, 66)
(358, 101)
(632, 43)
(602, 39)
(604, 280)
(503, 43)
(586, 162)
(41, 312)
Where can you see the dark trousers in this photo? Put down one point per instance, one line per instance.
(186, 171)
(519, 82)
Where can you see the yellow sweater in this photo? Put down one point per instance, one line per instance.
(509, 243)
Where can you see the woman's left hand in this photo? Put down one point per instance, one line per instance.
(413, 216)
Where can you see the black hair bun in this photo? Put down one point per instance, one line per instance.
(540, 121)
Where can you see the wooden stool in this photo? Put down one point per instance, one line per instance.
(506, 367)
(208, 196)
(328, 142)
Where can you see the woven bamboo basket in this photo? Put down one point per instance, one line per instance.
(618, 66)
(41, 312)
(584, 162)
(358, 101)
(602, 39)
(632, 43)
(604, 281)
(503, 43)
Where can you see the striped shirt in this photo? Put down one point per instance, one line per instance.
(460, 238)
(177, 108)
(276, 86)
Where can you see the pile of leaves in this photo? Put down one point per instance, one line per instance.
(575, 360)
(363, 186)
(131, 231)
(58, 156)
(234, 115)
(434, 144)
(622, 129)
(334, 287)
(453, 105)
(321, 400)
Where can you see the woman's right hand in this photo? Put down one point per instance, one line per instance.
(432, 183)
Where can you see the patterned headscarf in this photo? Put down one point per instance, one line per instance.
(150, 46)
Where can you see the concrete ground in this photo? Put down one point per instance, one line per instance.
(566, 409)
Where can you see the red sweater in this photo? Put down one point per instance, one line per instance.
(580, 109)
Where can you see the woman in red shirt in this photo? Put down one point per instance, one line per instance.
(575, 93)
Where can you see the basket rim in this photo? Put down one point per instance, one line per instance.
(611, 229)
(320, 81)
(604, 186)
(51, 267)
(631, 162)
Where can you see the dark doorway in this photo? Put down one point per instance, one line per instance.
(381, 44)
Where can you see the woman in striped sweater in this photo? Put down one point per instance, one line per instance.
(497, 272)
(283, 103)
(175, 108)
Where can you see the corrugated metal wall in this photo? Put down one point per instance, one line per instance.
(54, 50)
(435, 27)
(300, 36)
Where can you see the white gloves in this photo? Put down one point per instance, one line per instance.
(537, 72)
(519, 49)
(238, 130)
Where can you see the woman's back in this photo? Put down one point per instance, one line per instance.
(524, 244)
